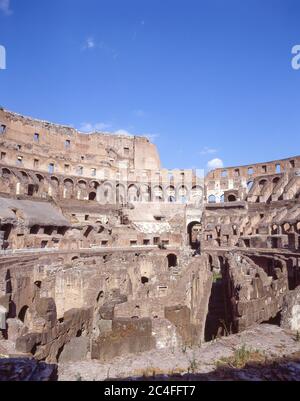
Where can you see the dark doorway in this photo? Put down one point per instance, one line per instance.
(22, 313)
(231, 198)
(194, 230)
(92, 196)
(31, 190)
(172, 260)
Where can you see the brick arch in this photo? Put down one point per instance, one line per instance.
(145, 193)
(158, 193)
(121, 194)
(133, 193)
(68, 188)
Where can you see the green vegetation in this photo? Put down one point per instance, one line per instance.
(216, 277)
(241, 357)
(193, 365)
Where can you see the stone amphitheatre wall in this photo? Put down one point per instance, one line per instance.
(101, 303)
(103, 252)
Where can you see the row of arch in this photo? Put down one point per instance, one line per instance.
(265, 186)
(35, 184)
(230, 198)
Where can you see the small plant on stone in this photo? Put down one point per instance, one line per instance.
(227, 332)
(193, 365)
(216, 277)
(297, 338)
(241, 357)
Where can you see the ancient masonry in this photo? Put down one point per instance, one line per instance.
(103, 253)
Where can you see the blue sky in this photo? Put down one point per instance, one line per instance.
(205, 79)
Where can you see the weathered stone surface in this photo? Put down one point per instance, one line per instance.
(271, 342)
(100, 244)
(46, 309)
(75, 350)
(28, 342)
(127, 336)
(291, 310)
(14, 328)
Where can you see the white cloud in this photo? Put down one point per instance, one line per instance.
(89, 43)
(103, 127)
(92, 43)
(151, 137)
(5, 7)
(123, 132)
(89, 127)
(208, 151)
(215, 163)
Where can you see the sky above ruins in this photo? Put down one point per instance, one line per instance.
(205, 80)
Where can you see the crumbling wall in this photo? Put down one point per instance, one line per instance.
(254, 295)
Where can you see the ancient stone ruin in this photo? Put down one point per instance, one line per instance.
(103, 253)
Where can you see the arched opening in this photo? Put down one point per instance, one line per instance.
(183, 194)
(30, 190)
(48, 230)
(39, 177)
(92, 196)
(249, 185)
(193, 231)
(22, 313)
(34, 229)
(120, 194)
(211, 199)
(262, 183)
(218, 320)
(144, 280)
(108, 193)
(25, 176)
(158, 194)
(68, 188)
(7, 230)
(172, 260)
(145, 193)
(54, 181)
(274, 320)
(133, 193)
(6, 172)
(231, 198)
(196, 195)
(286, 227)
(171, 193)
(100, 296)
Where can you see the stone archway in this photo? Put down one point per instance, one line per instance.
(193, 231)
